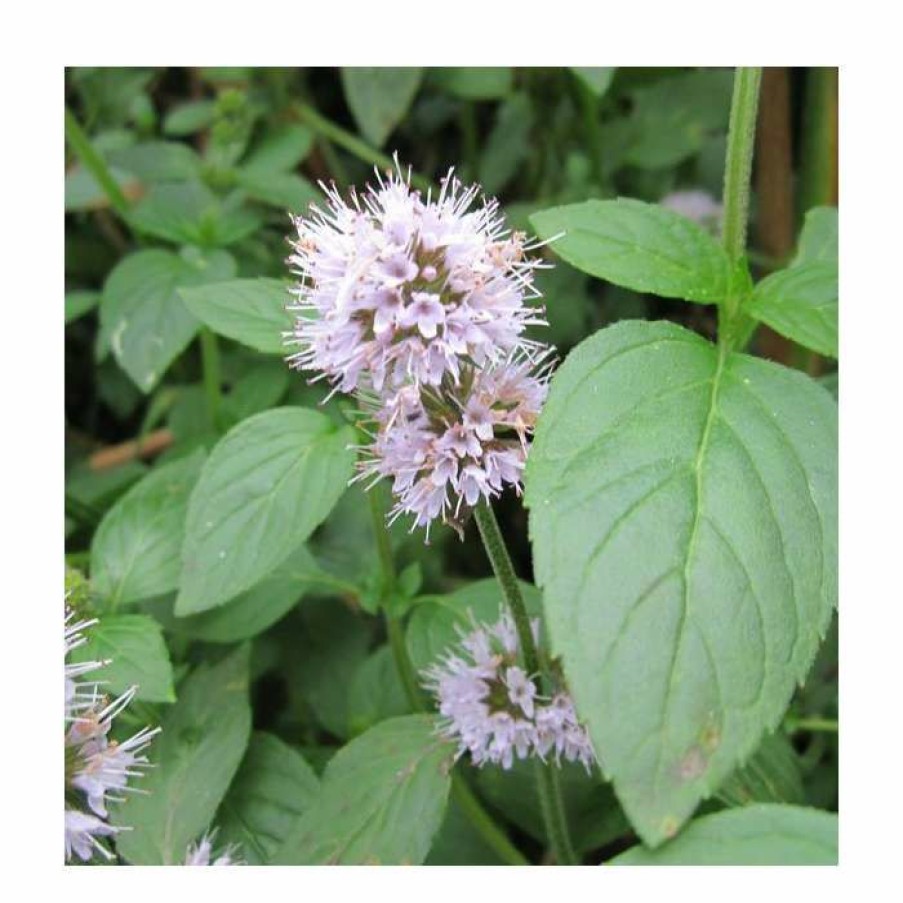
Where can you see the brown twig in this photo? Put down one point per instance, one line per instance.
(113, 455)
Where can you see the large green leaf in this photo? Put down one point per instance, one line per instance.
(272, 790)
(251, 311)
(437, 622)
(819, 239)
(195, 758)
(800, 303)
(643, 247)
(134, 647)
(381, 802)
(142, 314)
(265, 487)
(764, 834)
(683, 512)
(379, 97)
(135, 551)
(376, 692)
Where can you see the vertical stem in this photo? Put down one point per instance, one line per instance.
(210, 365)
(547, 784)
(494, 836)
(741, 137)
(94, 163)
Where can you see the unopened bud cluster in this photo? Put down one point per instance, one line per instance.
(495, 711)
(419, 306)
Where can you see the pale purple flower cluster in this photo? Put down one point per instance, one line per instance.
(419, 307)
(201, 853)
(97, 767)
(495, 711)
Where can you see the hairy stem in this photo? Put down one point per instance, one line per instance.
(469, 804)
(94, 163)
(548, 787)
(351, 143)
(741, 137)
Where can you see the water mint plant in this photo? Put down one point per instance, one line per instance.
(451, 466)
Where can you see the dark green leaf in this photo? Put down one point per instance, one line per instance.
(188, 118)
(251, 311)
(79, 303)
(135, 553)
(508, 143)
(274, 787)
(195, 758)
(639, 246)
(142, 314)
(381, 802)
(772, 775)
(376, 692)
(280, 150)
(285, 190)
(158, 161)
(134, 646)
(763, 834)
(379, 97)
(476, 82)
(265, 487)
(683, 512)
(262, 387)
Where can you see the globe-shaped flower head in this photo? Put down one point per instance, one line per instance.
(394, 287)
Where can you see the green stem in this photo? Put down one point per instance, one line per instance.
(467, 120)
(469, 804)
(741, 138)
(813, 725)
(818, 165)
(351, 143)
(212, 381)
(547, 783)
(94, 163)
(593, 132)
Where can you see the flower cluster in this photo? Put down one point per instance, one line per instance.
(494, 709)
(97, 767)
(419, 306)
(201, 853)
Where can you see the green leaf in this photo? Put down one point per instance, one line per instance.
(265, 487)
(189, 213)
(801, 304)
(80, 303)
(137, 654)
(158, 161)
(260, 388)
(597, 78)
(256, 609)
(286, 190)
(818, 240)
(508, 144)
(135, 553)
(643, 247)
(379, 97)
(188, 118)
(673, 117)
(142, 314)
(376, 692)
(755, 835)
(436, 620)
(772, 775)
(459, 843)
(381, 802)
(195, 758)
(274, 787)
(683, 513)
(281, 150)
(251, 311)
(83, 192)
(476, 82)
